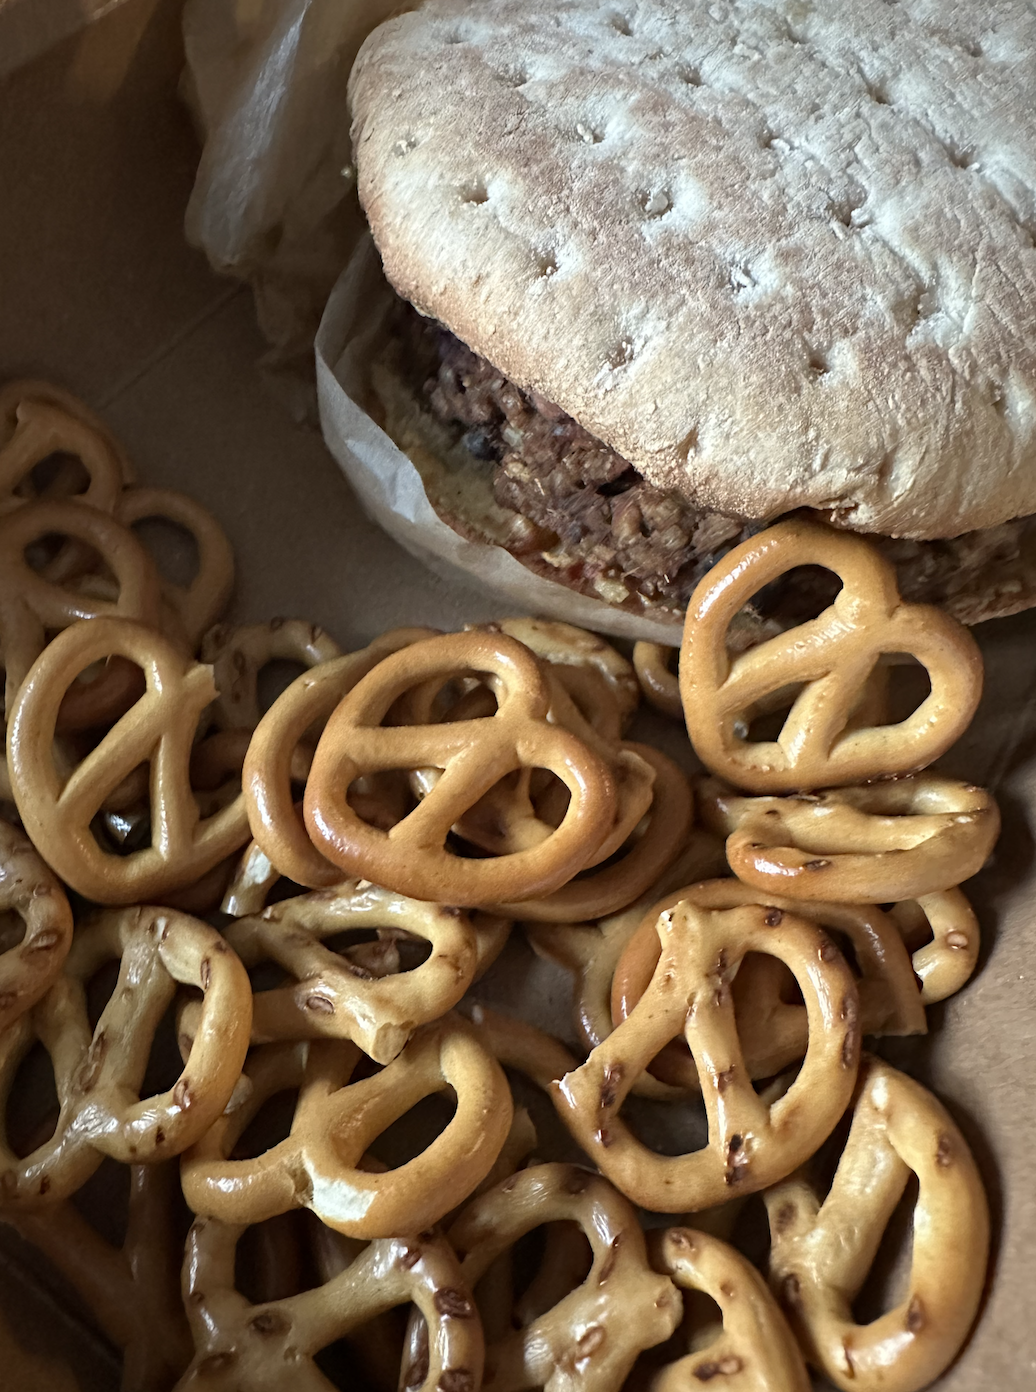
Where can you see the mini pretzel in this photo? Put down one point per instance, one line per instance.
(750, 1144)
(317, 1166)
(199, 604)
(870, 845)
(774, 1033)
(160, 728)
(413, 856)
(275, 824)
(333, 997)
(596, 892)
(28, 889)
(38, 420)
(821, 1252)
(833, 655)
(591, 1338)
(98, 1073)
(756, 1351)
(942, 932)
(658, 682)
(132, 1291)
(267, 1348)
(239, 654)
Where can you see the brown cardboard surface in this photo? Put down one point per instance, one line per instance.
(99, 291)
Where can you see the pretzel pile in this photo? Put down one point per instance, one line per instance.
(361, 848)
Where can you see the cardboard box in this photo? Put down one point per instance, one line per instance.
(99, 292)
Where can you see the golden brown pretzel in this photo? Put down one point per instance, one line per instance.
(332, 996)
(200, 603)
(874, 844)
(942, 933)
(833, 655)
(38, 420)
(755, 1350)
(30, 891)
(821, 1252)
(660, 685)
(248, 1348)
(238, 654)
(132, 1291)
(98, 1073)
(474, 754)
(591, 1337)
(335, 1121)
(159, 728)
(276, 825)
(750, 1144)
(575, 654)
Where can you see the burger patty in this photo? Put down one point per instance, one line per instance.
(597, 518)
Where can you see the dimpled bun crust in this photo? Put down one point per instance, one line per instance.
(775, 255)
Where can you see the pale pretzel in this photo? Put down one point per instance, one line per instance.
(833, 655)
(652, 848)
(238, 655)
(820, 1253)
(475, 754)
(331, 996)
(98, 1073)
(247, 1348)
(750, 1144)
(592, 1336)
(755, 1350)
(658, 682)
(774, 1032)
(30, 891)
(199, 604)
(335, 1121)
(942, 933)
(870, 845)
(132, 1291)
(160, 727)
(276, 825)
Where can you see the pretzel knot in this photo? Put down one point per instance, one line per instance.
(98, 1075)
(870, 845)
(159, 728)
(333, 996)
(239, 654)
(269, 1347)
(660, 685)
(831, 657)
(37, 421)
(756, 1351)
(943, 934)
(591, 1337)
(413, 857)
(750, 1144)
(29, 890)
(336, 1121)
(821, 1252)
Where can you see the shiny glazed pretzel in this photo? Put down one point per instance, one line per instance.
(755, 1350)
(160, 727)
(474, 755)
(821, 1252)
(833, 656)
(750, 1144)
(30, 891)
(942, 932)
(98, 1073)
(333, 996)
(661, 687)
(267, 774)
(870, 845)
(591, 1337)
(270, 1347)
(318, 1165)
(238, 655)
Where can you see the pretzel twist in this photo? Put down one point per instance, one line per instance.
(243, 1347)
(592, 1335)
(943, 934)
(413, 857)
(317, 1165)
(750, 1144)
(160, 728)
(821, 1252)
(98, 1074)
(869, 845)
(37, 421)
(833, 655)
(275, 824)
(29, 890)
(238, 655)
(660, 685)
